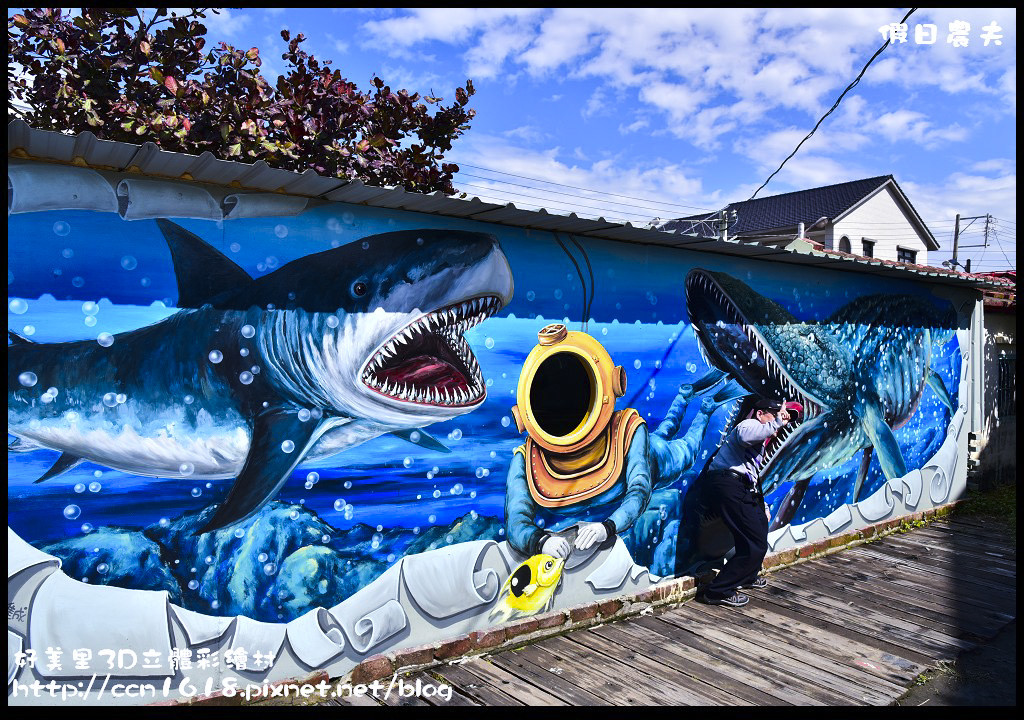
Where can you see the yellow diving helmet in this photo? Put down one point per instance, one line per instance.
(567, 390)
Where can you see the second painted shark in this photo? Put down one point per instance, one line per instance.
(253, 376)
(860, 374)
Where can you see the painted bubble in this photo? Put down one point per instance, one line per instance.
(121, 398)
(431, 518)
(308, 485)
(244, 352)
(164, 522)
(186, 469)
(489, 343)
(348, 484)
(505, 421)
(193, 584)
(407, 462)
(248, 331)
(437, 493)
(294, 514)
(531, 295)
(80, 487)
(479, 472)
(339, 505)
(303, 415)
(245, 377)
(189, 399)
(270, 568)
(128, 262)
(313, 477)
(145, 282)
(29, 330)
(102, 568)
(287, 446)
(17, 306)
(86, 528)
(28, 379)
(349, 512)
(90, 308)
(281, 231)
(110, 399)
(90, 321)
(72, 511)
(61, 228)
(105, 339)
(455, 434)
(239, 533)
(196, 492)
(332, 321)
(209, 560)
(95, 487)
(67, 253)
(234, 247)
(216, 356)
(325, 539)
(457, 489)
(262, 557)
(637, 363)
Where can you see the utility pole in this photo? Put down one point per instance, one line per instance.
(956, 238)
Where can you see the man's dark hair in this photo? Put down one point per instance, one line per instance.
(768, 405)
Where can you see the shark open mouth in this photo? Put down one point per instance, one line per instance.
(728, 341)
(429, 362)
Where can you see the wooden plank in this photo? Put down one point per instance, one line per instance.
(595, 679)
(944, 588)
(855, 678)
(472, 685)
(963, 534)
(961, 565)
(651, 690)
(511, 685)
(352, 701)
(519, 664)
(729, 663)
(666, 648)
(784, 629)
(899, 600)
(947, 549)
(392, 698)
(900, 569)
(893, 639)
(708, 693)
(712, 623)
(977, 579)
(901, 630)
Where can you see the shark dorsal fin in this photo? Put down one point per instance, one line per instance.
(202, 271)
(17, 339)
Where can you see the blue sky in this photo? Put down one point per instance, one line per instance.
(633, 114)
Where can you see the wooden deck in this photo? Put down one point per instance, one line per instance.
(853, 628)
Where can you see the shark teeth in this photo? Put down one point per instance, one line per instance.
(447, 326)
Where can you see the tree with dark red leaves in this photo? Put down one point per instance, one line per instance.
(124, 75)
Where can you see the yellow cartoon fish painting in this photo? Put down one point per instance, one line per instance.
(530, 588)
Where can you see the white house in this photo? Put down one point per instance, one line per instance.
(870, 217)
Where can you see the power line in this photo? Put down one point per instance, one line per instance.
(834, 106)
(574, 187)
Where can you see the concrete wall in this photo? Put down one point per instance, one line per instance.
(275, 435)
(883, 219)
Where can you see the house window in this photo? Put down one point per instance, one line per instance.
(869, 248)
(1006, 390)
(907, 256)
(844, 244)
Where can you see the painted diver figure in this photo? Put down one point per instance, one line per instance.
(584, 461)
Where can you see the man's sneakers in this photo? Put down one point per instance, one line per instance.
(756, 585)
(737, 599)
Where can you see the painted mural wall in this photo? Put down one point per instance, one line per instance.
(253, 435)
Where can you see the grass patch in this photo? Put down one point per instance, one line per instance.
(997, 504)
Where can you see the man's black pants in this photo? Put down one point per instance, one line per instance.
(742, 509)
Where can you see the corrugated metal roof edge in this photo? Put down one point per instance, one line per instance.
(85, 150)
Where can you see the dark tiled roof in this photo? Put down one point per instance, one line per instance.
(776, 212)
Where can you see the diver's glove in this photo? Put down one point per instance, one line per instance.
(591, 533)
(556, 546)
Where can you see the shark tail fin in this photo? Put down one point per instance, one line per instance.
(17, 339)
(423, 439)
